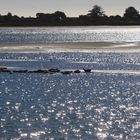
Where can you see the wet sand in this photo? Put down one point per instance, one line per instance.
(71, 47)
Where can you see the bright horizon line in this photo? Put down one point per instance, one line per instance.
(28, 11)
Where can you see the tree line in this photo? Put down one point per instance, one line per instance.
(95, 16)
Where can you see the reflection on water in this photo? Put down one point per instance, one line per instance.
(69, 34)
(93, 106)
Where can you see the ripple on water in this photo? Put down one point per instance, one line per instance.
(77, 106)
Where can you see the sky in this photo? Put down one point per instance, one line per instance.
(72, 8)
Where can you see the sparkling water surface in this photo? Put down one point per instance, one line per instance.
(33, 35)
(101, 105)
(86, 106)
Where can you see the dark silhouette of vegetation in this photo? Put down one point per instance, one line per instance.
(131, 16)
(95, 16)
(97, 11)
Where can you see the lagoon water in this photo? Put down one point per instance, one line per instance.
(102, 105)
(45, 39)
(34, 35)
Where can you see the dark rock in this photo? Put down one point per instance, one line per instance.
(31, 71)
(4, 69)
(38, 71)
(77, 71)
(20, 71)
(87, 70)
(53, 70)
(66, 72)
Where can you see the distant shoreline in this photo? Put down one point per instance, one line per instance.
(8, 26)
(95, 17)
(70, 25)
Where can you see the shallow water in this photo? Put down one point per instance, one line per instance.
(102, 105)
(84, 39)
